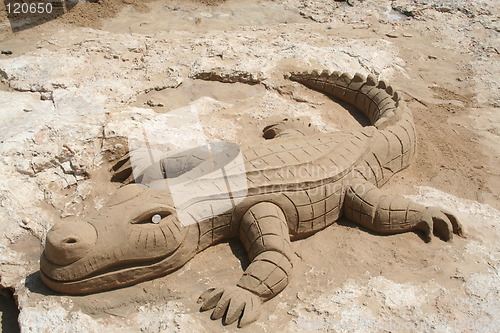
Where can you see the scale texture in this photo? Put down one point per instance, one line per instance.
(296, 185)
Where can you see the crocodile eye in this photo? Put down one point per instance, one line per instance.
(156, 218)
(151, 217)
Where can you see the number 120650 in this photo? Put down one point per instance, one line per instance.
(29, 8)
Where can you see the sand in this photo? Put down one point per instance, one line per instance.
(447, 66)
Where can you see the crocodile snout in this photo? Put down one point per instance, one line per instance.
(69, 241)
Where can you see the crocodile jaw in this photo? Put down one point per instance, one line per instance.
(120, 275)
(119, 245)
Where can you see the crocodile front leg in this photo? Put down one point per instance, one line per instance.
(368, 206)
(264, 234)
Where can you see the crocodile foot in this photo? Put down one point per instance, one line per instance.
(232, 302)
(439, 222)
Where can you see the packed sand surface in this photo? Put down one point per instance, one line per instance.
(73, 86)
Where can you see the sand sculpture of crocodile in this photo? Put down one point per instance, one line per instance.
(339, 175)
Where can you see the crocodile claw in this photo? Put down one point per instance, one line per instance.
(233, 302)
(441, 223)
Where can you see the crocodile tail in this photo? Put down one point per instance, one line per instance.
(380, 103)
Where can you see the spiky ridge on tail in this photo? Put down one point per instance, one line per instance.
(395, 143)
(376, 99)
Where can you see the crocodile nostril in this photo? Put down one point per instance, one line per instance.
(71, 240)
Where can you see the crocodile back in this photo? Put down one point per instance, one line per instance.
(304, 162)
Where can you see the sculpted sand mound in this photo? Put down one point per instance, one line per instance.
(70, 95)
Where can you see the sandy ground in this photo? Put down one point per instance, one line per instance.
(449, 73)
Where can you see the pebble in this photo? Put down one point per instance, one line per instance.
(67, 168)
(360, 26)
(46, 96)
(392, 35)
(24, 167)
(444, 9)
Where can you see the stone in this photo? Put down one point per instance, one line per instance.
(25, 167)
(444, 9)
(154, 103)
(67, 168)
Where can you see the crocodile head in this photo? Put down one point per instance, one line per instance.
(135, 237)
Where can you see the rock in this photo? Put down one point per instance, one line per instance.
(444, 9)
(361, 26)
(25, 167)
(67, 168)
(46, 96)
(229, 76)
(354, 2)
(41, 163)
(154, 103)
(406, 9)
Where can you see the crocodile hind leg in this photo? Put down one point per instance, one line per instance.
(368, 206)
(264, 234)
